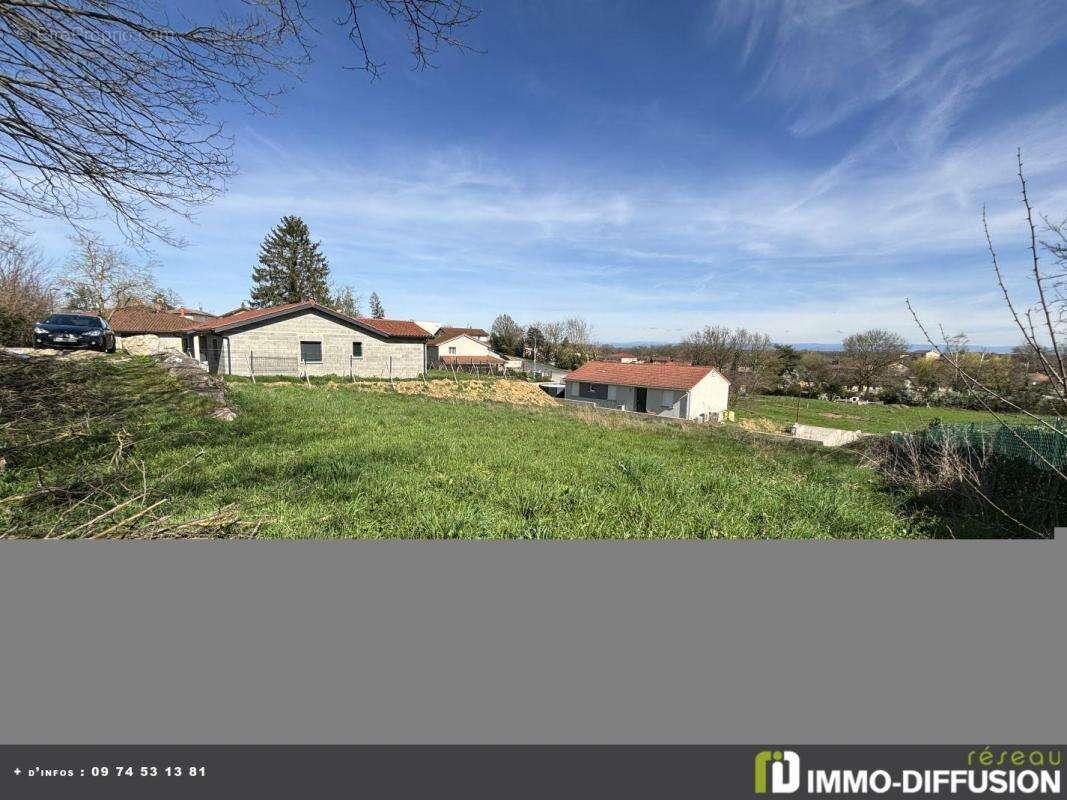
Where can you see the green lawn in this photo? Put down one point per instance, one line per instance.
(873, 418)
(320, 462)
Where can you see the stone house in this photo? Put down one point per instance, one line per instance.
(145, 330)
(309, 338)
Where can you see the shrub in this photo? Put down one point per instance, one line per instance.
(952, 472)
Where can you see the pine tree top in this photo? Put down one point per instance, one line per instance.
(291, 268)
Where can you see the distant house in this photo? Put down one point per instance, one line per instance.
(665, 390)
(462, 347)
(146, 329)
(621, 358)
(537, 368)
(931, 355)
(429, 326)
(309, 338)
(664, 360)
(475, 333)
(195, 314)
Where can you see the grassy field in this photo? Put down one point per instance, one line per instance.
(873, 418)
(341, 462)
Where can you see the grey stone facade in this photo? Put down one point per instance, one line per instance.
(273, 347)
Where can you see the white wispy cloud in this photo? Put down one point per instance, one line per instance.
(803, 249)
(830, 60)
(458, 233)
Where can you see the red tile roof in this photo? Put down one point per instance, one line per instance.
(657, 376)
(444, 334)
(386, 327)
(248, 315)
(460, 360)
(142, 319)
(395, 327)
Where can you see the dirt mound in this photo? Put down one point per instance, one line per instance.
(760, 425)
(515, 392)
(501, 391)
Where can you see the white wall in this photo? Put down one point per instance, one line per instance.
(710, 396)
(465, 346)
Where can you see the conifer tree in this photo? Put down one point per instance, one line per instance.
(347, 301)
(291, 267)
(376, 309)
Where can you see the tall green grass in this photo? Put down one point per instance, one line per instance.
(349, 463)
(321, 462)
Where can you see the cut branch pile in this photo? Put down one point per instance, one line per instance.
(69, 436)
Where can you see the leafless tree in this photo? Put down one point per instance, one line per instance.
(553, 333)
(27, 290)
(101, 278)
(868, 355)
(747, 358)
(577, 331)
(1040, 320)
(109, 101)
(347, 301)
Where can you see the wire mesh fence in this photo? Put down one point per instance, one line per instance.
(266, 364)
(1040, 445)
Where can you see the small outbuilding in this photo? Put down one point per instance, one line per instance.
(679, 391)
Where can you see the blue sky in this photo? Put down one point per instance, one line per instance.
(798, 168)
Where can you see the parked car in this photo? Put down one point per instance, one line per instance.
(75, 330)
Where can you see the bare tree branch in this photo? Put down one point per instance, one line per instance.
(109, 102)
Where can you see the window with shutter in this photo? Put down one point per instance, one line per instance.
(311, 352)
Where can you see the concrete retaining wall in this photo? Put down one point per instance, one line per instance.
(829, 437)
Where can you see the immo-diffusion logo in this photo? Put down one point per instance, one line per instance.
(1012, 772)
(784, 768)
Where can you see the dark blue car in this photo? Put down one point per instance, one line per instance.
(75, 330)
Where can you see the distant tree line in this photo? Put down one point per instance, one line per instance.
(874, 364)
(566, 343)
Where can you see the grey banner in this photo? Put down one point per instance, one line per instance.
(516, 642)
(473, 772)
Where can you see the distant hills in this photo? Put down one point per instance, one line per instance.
(991, 348)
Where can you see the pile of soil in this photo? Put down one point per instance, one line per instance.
(760, 425)
(514, 392)
(518, 393)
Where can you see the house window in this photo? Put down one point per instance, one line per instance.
(594, 391)
(668, 399)
(357, 349)
(612, 392)
(451, 351)
(311, 352)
